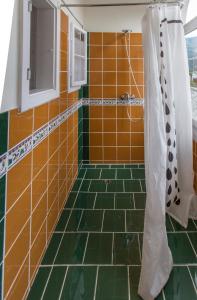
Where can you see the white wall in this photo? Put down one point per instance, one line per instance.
(109, 19)
(78, 13)
(10, 92)
(11, 97)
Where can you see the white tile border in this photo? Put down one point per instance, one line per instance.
(112, 102)
(18, 152)
(15, 154)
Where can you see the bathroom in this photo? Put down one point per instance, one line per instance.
(98, 131)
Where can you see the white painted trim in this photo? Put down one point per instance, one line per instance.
(190, 26)
(32, 100)
(75, 85)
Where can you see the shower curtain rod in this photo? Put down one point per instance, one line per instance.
(123, 4)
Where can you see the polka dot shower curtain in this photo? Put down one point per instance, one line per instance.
(168, 141)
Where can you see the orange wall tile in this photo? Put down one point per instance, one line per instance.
(41, 116)
(38, 186)
(17, 216)
(18, 179)
(111, 127)
(20, 127)
(19, 288)
(16, 257)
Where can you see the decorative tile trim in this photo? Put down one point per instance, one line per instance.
(3, 164)
(40, 135)
(112, 102)
(15, 154)
(19, 151)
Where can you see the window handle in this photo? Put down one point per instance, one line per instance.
(28, 74)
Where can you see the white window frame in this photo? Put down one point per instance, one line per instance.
(188, 28)
(30, 100)
(75, 85)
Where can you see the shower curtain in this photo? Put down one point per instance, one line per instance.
(168, 141)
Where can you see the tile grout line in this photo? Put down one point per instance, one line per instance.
(141, 185)
(46, 284)
(89, 186)
(65, 276)
(134, 204)
(163, 294)
(29, 185)
(120, 179)
(194, 285)
(129, 288)
(112, 259)
(47, 243)
(95, 199)
(171, 223)
(125, 213)
(109, 265)
(80, 221)
(85, 248)
(100, 174)
(132, 232)
(96, 282)
(78, 190)
(195, 225)
(102, 221)
(129, 209)
(191, 244)
(140, 252)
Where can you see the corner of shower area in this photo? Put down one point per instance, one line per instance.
(96, 248)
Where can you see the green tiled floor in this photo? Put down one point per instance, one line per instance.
(95, 251)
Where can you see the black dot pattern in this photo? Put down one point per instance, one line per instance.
(168, 128)
(172, 183)
(167, 109)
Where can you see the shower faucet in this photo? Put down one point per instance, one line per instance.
(127, 96)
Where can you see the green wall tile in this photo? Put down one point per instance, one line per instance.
(81, 93)
(3, 132)
(86, 154)
(2, 196)
(86, 91)
(85, 112)
(1, 239)
(1, 272)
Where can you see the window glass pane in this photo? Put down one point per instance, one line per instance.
(42, 56)
(192, 10)
(191, 41)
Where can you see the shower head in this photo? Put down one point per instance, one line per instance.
(126, 31)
